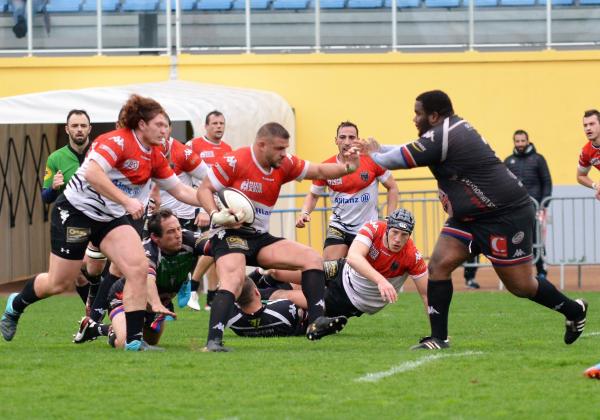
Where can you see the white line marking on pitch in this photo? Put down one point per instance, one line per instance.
(591, 334)
(406, 366)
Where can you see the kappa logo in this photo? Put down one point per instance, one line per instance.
(221, 234)
(518, 253)
(292, 310)
(187, 153)
(518, 237)
(418, 256)
(320, 303)
(220, 326)
(431, 311)
(64, 215)
(119, 141)
(231, 161)
(131, 164)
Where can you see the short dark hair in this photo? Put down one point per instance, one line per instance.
(155, 221)
(78, 112)
(346, 124)
(138, 108)
(210, 114)
(592, 112)
(522, 132)
(273, 129)
(245, 297)
(436, 101)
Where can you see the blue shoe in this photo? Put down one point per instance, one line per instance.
(140, 345)
(8, 324)
(183, 296)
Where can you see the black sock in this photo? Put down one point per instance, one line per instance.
(255, 276)
(103, 329)
(100, 304)
(220, 311)
(135, 325)
(548, 296)
(195, 285)
(83, 292)
(94, 284)
(25, 298)
(210, 296)
(313, 287)
(439, 296)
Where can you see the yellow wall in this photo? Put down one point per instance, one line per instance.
(542, 92)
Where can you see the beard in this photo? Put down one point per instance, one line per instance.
(79, 141)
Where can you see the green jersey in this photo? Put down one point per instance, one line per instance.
(171, 270)
(65, 160)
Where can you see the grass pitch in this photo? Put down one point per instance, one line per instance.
(507, 360)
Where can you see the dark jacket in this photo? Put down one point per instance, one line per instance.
(531, 168)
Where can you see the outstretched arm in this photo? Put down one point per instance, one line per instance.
(357, 258)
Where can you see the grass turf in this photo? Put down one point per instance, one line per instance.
(507, 360)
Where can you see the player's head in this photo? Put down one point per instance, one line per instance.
(346, 133)
(521, 140)
(165, 230)
(249, 293)
(272, 141)
(430, 110)
(214, 124)
(78, 126)
(591, 125)
(147, 117)
(400, 224)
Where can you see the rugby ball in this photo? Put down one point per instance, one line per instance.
(233, 199)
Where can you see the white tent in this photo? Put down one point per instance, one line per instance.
(245, 110)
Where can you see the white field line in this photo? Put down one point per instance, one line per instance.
(590, 334)
(406, 366)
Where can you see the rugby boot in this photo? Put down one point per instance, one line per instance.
(215, 346)
(574, 327)
(8, 323)
(88, 331)
(141, 345)
(323, 326)
(593, 372)
(431, 343)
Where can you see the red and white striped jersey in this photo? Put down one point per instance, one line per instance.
(241, 170)
(395, 267)
(190, 170)
(208, 151)
(129, 165)
(589, 156)
(353, 196)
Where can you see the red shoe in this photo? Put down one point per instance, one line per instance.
(593, 372)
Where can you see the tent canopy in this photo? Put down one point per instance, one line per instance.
(245, 110)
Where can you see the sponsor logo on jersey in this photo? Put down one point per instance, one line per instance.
(255, 322)
(331, 269)
(337, 181)
(131, 164)
(252, 186)
(364, 176)
(263, 212)
(235, 242)
(207, 154)
(118, 140)
(418, 146)
(127, 189)
(518, 237)
(518, 253)
(373, 253)
(364, 198)
(498, 245)
(78, 234)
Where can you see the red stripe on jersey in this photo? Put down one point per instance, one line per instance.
(410, 161)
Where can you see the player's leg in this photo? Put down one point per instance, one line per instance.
(134, 266)
(94, 263)
(292, 255)
(334, 252)
(231, 269)
(212, 280)
(449, 253)
(119, 328)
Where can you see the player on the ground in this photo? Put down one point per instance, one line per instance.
(209, 147)
(60, 167)
(380, 259)
(490, 212)
(172, 254)
(259, 171)
(354, 197)
(113, 180)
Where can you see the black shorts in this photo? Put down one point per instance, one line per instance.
(71, 230)
(337, 302)
(234, 241)
(336, 236)
(505, 240)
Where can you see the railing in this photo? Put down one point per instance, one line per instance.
(464, 27)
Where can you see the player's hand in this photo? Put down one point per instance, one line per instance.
(152, 207)
(541, 215)
(302, 219)
(227, 218)
(159, 308)
(202, 220)
(134, 207)
(387, 291)
(367, 146)
(58, 180)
